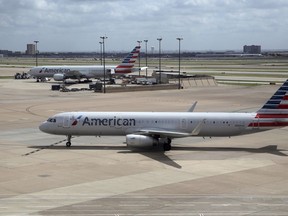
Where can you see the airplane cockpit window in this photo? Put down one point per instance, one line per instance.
(53, 120)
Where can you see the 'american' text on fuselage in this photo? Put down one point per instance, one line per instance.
(108, 122)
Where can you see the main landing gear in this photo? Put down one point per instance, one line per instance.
(68, 143)
(167, 145)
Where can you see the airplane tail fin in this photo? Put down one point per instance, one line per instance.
(128, 63)
(274, 112)
(278, 103)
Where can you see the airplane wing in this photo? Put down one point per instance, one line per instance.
(172, 133)
(136, 69)
(164, 133)
(74, 73)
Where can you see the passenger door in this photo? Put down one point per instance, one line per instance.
(183, 123)
(66, 122)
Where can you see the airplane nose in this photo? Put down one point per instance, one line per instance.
(44, 127)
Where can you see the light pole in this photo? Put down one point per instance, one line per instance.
(159, 39)
(139, 42)
(146, 41)
(103, 54)
(36, 52)
(179, 85)
(101, 51)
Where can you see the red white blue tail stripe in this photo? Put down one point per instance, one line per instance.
(274, 113)
(128, 62)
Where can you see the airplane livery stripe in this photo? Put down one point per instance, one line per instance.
(124, 66)
(284, 88)
(268, 124)
(284, 102)
(282, 106)
(122, 71)
(278, 103)
(271, 116)
(273, 111)
(128, 61)
(275, 97)
(274, 102)
(280, 97)
(270, 106)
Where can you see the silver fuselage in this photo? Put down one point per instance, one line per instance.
(123, 123)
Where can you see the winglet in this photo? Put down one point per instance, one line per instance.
(191, 109)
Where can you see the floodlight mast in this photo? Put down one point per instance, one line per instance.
(101, 52)
(139, 42)
(179, 83)
(159, 39)
(104, 70)
(146, 41)
(36, 52)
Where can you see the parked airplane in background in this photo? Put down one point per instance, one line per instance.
(153, 128)
(61, 73)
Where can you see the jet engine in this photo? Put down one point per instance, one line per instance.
(135, 140)
(59, 77)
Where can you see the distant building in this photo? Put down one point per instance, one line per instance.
(5, 52)
(152, 49)
(252, 49)
(31, 49)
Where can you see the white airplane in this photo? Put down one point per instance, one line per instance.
(61, 73)
(154, 128)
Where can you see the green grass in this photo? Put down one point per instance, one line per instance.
(6, 77)
(239, 84)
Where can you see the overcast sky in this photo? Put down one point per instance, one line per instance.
(76, 25)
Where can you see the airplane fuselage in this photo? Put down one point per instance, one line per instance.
(153, 128)
(123, 123)
(91, 71)
(61, 73)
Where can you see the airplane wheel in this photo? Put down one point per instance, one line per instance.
(68, 144)
(167, 147)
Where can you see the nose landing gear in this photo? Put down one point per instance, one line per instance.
(68, 143)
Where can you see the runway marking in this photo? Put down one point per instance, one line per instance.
(84, 192)
(134, 205)
(225, 205)
(45, 147)
(179, 205)
(28, 110)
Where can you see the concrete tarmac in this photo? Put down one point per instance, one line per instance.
(245, 175)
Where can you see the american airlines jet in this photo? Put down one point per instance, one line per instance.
(154, 128)
(61, 73)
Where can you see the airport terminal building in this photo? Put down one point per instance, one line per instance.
(252, 49)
